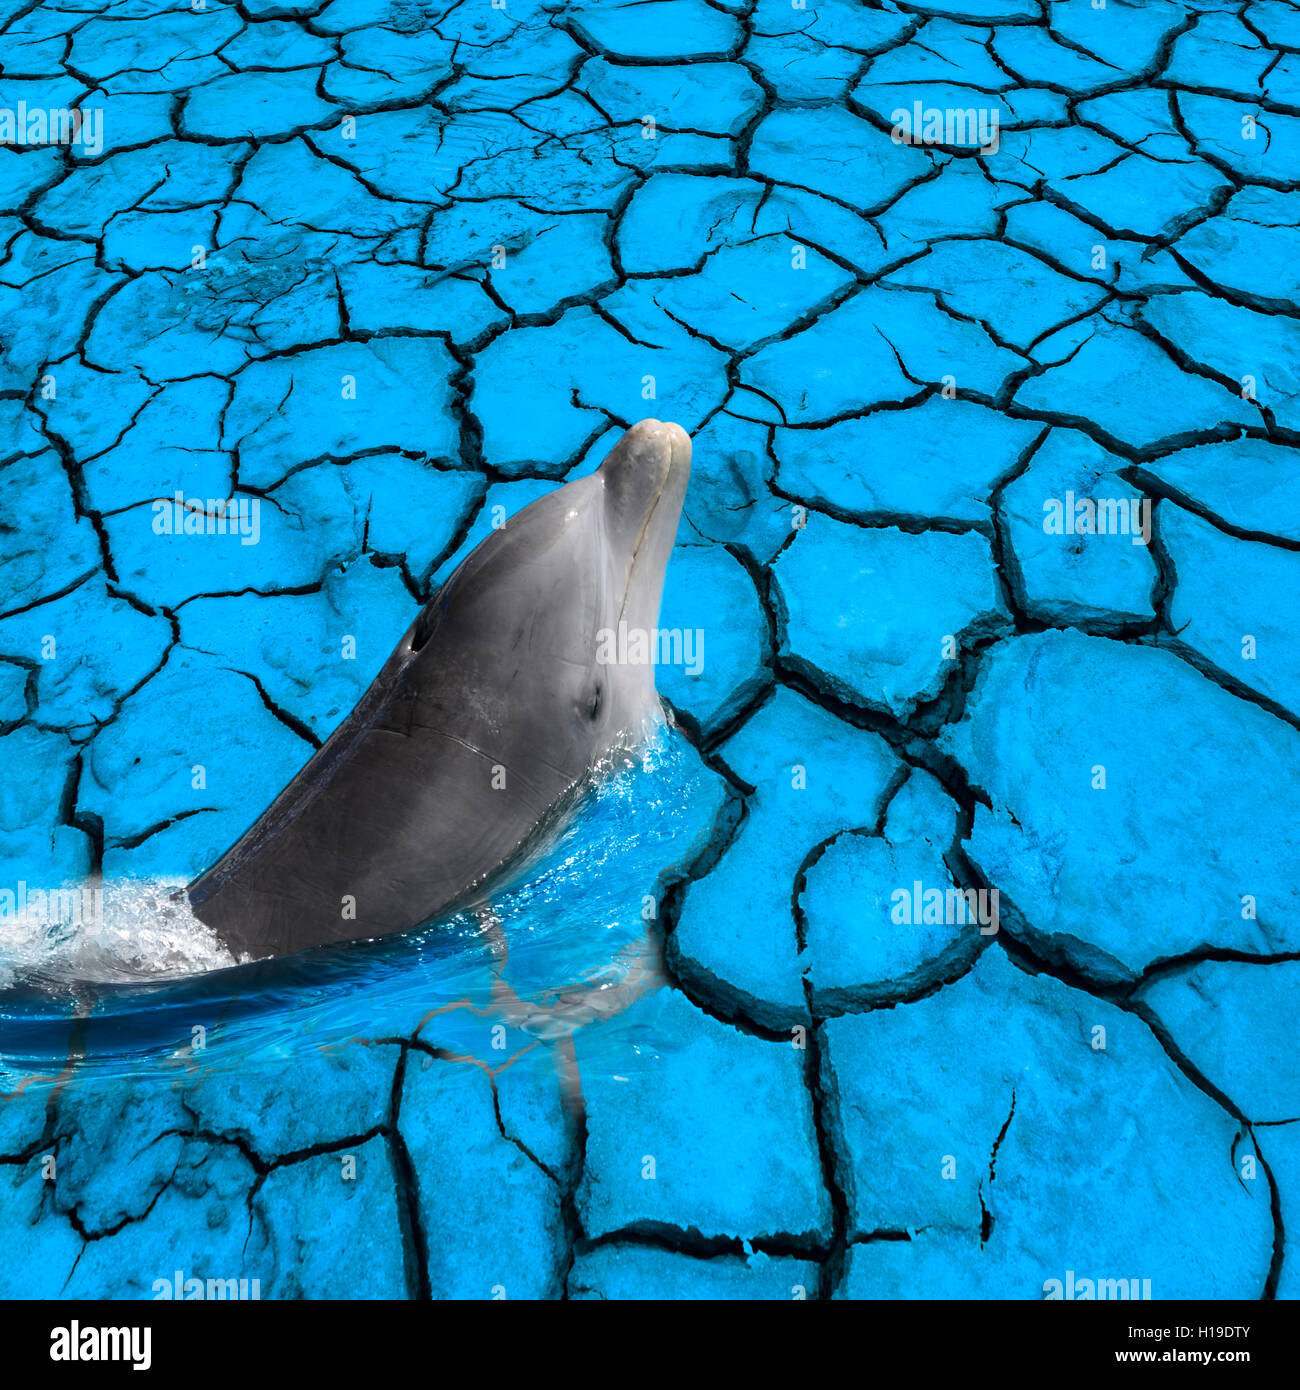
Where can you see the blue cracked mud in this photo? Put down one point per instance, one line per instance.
(991, 540)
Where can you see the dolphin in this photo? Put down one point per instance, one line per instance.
(495, 706)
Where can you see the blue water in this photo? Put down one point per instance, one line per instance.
(573, 929)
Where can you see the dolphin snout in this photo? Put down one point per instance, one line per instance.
(640, 467)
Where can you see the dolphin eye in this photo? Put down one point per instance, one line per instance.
(430, 617)
(423, 629)
(596, 701)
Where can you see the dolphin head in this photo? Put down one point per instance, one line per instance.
(531, 620)
(643, 486)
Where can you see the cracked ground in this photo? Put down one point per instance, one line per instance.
(391, 270)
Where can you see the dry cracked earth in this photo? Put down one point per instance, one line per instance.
(988, 537)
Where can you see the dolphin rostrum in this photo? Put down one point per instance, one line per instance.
(495, 705)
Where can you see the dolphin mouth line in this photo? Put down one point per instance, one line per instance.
(636, 549)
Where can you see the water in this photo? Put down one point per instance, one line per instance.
(571, 937)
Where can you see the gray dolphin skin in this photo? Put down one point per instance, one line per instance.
(492, 709)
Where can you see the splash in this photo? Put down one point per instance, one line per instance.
(569, 937)
(128, 930)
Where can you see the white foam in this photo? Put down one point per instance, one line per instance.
(134, 930)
